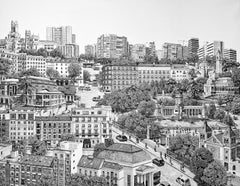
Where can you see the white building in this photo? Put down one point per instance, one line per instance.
(92, 125)
(48, 45)
(211, 49)
(138, 52)
(179, 72)
(60, 35)
(230, 54)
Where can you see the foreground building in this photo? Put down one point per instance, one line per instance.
(122, 164)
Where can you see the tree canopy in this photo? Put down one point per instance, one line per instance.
(86, 76)
(52, 73)
(30, 72)
(74, 70)
(146, 108)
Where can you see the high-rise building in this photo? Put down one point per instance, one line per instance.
(138, 52)
(89, 50)
(61, 35)
(112, 46)
(174, 51)
(211, 49)
(73, 38)
(70, 50)
(193, 46)
(151, 48)
(230, 54)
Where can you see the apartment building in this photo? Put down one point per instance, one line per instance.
(61, 35)
(52, 128)
(92, 125)
(211, 49)
(69, 50)
(117, 77)
(174, 51)
(112, 46)
(4, 124)
(90, 50)
(21, 123)
(68, 155)
(138, 52)
(90, 166)
(47, 45)
(193, 46)
(230, 54)
(12, 57)
(152, 72)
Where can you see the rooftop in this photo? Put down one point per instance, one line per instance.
(53, 118)
(90, 162)
(37, 160)
(112, 165)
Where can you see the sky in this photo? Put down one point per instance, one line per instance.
(140, 21)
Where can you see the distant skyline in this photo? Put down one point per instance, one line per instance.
(140, 21)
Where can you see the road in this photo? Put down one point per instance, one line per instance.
(86, 96)
(169, 172)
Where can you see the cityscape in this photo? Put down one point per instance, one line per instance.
(97, 93)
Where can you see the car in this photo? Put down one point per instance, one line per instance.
(164, 183)
(183, 181)
(96, 98)
(121, 138)
(159, 162)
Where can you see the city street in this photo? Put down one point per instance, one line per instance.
(86, 96)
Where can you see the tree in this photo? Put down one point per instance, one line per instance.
(219, 114)
(86, 76)
(82, 180)
(38, 147)
(26, 89)
(215, 174)
(192, 74)
(46, 180)
(30, 72)
(98, 148)
(3, 177)
(200, 159)
(236, 77)
(211, 110)
(52, 74)
(5, 66)
(171, 83)
(56, 53)
(228, 120)
(42, 52)
(146, 108)
(108, 142)
(229, 65)
(74, 70)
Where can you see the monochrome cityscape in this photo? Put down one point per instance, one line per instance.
(79, 110)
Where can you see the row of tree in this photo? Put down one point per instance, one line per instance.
(43, 52)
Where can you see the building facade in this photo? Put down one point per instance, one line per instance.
(60, 35)
(230, 54)
(112, 46)
(138, 52)
(92, 125)
(117, 77)
(211, 49)
(174, 51)
(69, 50)
(193, 46)
(179, 72)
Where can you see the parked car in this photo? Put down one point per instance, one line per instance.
(121, 138)
(159, 162)
(164, 183)
(183, 181)
(96, 98)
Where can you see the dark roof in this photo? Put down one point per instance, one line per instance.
(90, 162)
(37, 160)
(219, 137)
(111, 165)
(229, 132)
(53, 118)
(127, 148)
(124, 153)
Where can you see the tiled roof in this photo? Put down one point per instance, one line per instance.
(124, 153)
(37, 160)
(111, 165)
(53, 118)
(91, 163)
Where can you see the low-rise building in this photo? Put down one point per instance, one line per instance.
(21, 123)
(92, 125)
(138, 52)
(5, 150)
(115, 77)
(121, 164)
(152, 72)
(179, 72)
(52, 128)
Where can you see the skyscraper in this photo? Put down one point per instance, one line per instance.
(73, 38)
(174, 51)
(60, 35)
(112, 46)
(193, 45)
